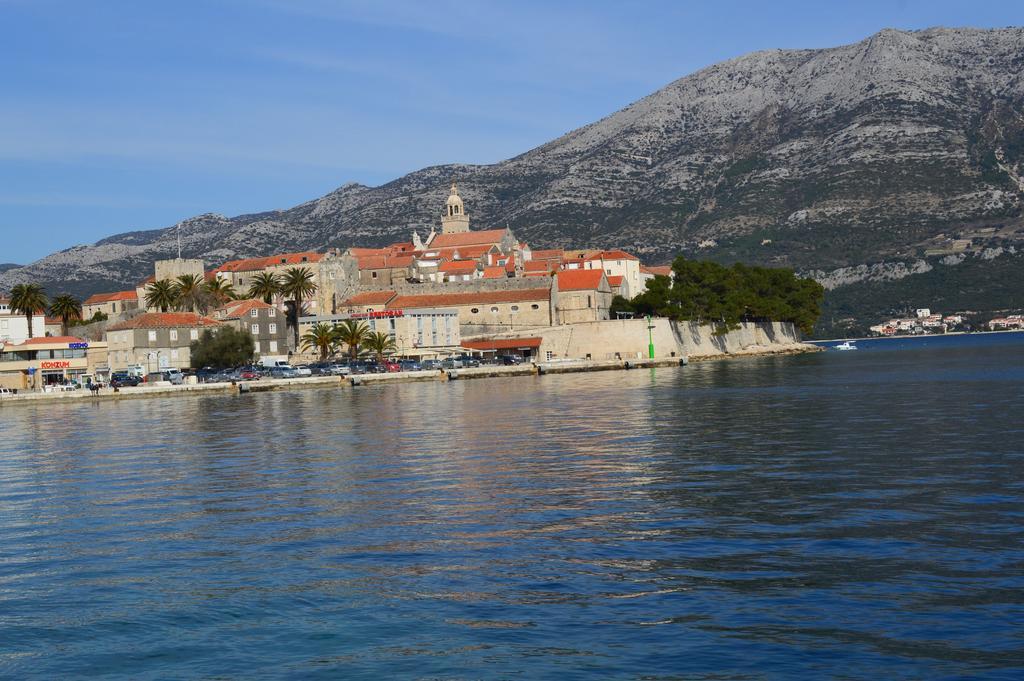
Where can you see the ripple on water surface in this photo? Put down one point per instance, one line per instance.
(779, 517)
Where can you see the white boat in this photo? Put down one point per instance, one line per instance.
(846, 345)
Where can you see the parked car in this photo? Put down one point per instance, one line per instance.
(283, 372)
(249, 374)
(430, 364)
(340, 369)
(121, 379)
(410, 365)
(451, 363)
(303, 370)
(320, 368)
(469, 361)
(511, 360)
(391, 366)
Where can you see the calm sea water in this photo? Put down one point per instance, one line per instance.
(843, 515)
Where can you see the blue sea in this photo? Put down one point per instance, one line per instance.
(847, 515)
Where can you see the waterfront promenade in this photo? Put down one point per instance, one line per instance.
(327, 382)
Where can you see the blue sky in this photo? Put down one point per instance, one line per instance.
(118, 115)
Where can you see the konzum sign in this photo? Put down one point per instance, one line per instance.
(55, 365)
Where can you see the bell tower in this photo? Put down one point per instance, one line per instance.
(454, 219)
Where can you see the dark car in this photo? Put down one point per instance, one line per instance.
(430, 364)
(469, 361)
(410, 365)
(511, 360)
(123, 380)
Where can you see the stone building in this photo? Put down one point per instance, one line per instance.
(266, 324)
(581, 296)
(110, 304)
(156, 340)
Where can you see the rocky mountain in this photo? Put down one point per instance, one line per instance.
(871, 157)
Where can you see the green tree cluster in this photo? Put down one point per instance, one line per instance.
(224, 348)
(709, 292)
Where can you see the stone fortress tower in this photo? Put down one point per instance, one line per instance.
(454, 219)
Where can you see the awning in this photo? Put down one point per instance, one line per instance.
(503, 344)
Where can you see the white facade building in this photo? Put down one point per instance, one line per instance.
(14, 326)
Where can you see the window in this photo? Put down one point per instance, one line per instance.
(255, 329)
(608, 271)
(273, 328)
(193, 334)
(272, 312)
(475, 310)
(589, 304)
(174, 334)
(535, 306)
(373, 275)
(515, 308)
(254, 313)
(256, 346)
(152, 336)
(494, 308)
(273, 346)
(550, 355)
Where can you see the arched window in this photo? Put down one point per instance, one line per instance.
(475, 310)
(494, 309)
(535, 306)
(515, 308)
(456, 209)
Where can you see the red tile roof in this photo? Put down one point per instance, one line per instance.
(579, 280)
(165, 320)
(614, 281)
(616, 254)
(59, 340)
(254, 264)
(487, 236)
(382, 262)
(458, 267)
(98, 298)
(469, 298)
(502, 344)
(239, 308)
(369, 298)
(548, 254)
(544, 266)
(495, 272)
(659, 270)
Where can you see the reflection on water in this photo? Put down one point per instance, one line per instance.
(831, 515)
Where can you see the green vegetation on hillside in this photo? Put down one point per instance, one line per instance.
(973, 286)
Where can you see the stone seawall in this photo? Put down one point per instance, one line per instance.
(629, 338)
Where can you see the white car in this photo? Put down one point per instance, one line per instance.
(303, 370)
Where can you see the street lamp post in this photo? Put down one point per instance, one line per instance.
(650, 337)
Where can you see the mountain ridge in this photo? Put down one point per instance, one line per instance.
(819, 159)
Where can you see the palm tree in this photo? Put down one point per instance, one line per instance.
(67, 308)
(323, 337)
(189, 289)
(352, 333)
(162, 295)
(265, 285)
(29, 300)
(297, 284)
(380, 344)
(219, 290)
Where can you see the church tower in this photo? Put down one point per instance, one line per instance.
(454, 219)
